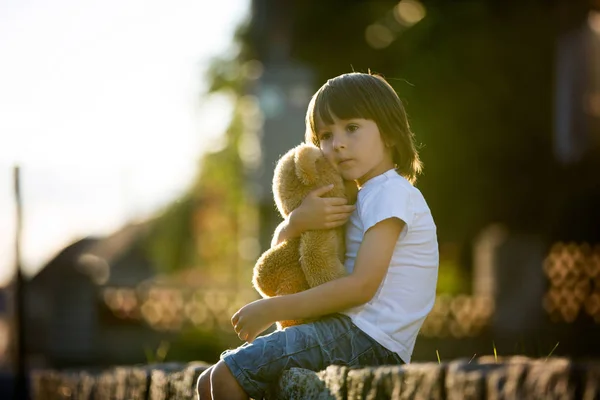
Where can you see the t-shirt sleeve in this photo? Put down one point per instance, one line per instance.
(388, 201)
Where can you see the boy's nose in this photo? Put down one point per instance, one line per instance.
(338, 143)
(338, 146)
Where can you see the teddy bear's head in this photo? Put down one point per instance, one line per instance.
(302, 170)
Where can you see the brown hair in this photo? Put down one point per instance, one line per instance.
(366, 96)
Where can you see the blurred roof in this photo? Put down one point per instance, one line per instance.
(97, 257)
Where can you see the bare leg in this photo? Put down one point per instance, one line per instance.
(203, 385)
(224, 385)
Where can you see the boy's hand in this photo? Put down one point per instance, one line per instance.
(252, 319)
(318, 212)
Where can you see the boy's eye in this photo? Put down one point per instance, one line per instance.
(325, 136)
(352, 127)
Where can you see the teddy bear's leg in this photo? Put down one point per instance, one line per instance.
(321, 256)
(273, 265)
(294, 282)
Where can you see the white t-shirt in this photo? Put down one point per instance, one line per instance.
(396, 313)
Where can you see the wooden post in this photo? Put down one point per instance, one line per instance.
(20, 390)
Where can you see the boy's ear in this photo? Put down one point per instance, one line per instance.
(305, 159)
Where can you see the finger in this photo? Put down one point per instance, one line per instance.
(250, 338)
(337, 216)
(238, 325)
(321, 191)
(244, 335)
(336, 201)
(341, 209)
(235, 318)
(335, 224)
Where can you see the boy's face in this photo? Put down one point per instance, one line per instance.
(355, 147)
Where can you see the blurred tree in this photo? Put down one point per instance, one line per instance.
(168, 242)
(476, 79)
(203, 229)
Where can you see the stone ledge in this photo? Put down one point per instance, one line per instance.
(482, 378)
(146, 382)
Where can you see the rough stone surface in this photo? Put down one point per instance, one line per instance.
(299, 384)
(334, 378)
(482, 378)
(153, 381)
(175, 381)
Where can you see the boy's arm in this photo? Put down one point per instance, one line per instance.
(315, 212)
(284, 231)
(371, 265)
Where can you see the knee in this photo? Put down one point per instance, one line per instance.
(224, 385)
(203, 385)
(220, 373)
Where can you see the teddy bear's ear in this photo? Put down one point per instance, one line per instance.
(306, 163)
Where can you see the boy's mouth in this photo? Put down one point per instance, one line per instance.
(344, 162)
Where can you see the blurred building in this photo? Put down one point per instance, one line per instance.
(67, 320)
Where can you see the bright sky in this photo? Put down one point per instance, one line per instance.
(100, 105)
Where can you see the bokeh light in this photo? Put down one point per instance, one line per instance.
(573, 273)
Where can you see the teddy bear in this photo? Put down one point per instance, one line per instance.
(317, 256)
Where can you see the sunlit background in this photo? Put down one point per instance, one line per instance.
(101, 104)
(147, 132)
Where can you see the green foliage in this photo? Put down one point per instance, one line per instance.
(200, 230)
(226, 72)
(451, 278)
(481, 103)
(170, 243)
(159, 355)
(477, 84)
(552, 351)
(198, 344)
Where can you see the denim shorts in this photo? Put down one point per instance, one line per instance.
(333, 339)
